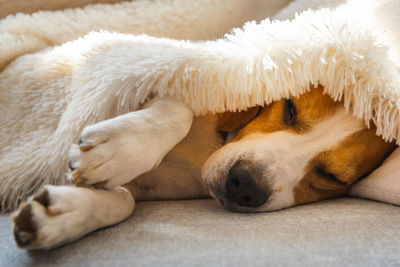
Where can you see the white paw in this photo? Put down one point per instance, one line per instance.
(115, 151)
(51, 218)
(61, 214)
(112, 154)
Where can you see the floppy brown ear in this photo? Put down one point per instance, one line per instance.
(232, 121)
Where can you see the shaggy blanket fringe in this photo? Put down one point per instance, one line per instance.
(105, 74)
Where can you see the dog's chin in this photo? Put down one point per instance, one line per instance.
(233, 207)
(230, 206)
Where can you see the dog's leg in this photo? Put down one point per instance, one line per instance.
(61, 214)
(115, 151)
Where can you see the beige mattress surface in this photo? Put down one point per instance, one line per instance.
(339, 232)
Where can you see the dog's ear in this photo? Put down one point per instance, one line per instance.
(232, 121)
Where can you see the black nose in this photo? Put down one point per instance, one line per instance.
(242, 188)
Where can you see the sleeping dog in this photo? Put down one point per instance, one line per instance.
(291, 152)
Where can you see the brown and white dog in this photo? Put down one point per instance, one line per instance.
(291, 152)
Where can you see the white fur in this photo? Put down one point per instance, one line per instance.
(48, 97)
(124, 70)
(79, 211)
(282, 155)
(123, 148)
(45, 102)
(129, 145)
(178, 19)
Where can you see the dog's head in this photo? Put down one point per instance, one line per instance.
(291, 152)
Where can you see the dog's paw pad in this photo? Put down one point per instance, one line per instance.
(24, 227)
(30, 218)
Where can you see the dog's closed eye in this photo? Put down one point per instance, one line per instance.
(289, 112)
(327, 176)
(326, 181)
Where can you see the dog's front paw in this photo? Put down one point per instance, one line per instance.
(108, 156)
(45, 221)
(61, 214)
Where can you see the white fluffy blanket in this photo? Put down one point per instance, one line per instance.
(53, 83)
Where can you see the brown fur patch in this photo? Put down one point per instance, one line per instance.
(331, 173)
(232, 121)
(311, 108)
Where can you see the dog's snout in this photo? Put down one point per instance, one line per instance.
(242, 188)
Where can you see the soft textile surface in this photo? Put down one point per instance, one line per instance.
(49, 96)
(383, 184)
(37, 98)
(343, 232)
